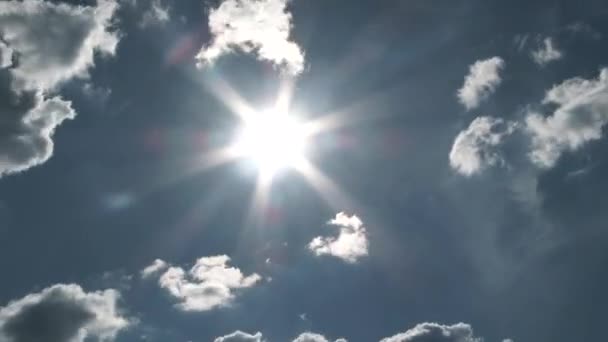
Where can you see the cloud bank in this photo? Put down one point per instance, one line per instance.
(477, 147)
(351, 243)
(33, 61)
(261, 27)
(482, 81)
(424, 332)
(208, 285)
(62, 313)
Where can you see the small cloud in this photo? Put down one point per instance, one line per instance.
(155, 14)
(582, 28)
(546, 53)
(581, 114)
(476, 148)
(351, 243)
(209, 284)
(313, 337)
(239, 336)
(261, 27)
(481, 82)
(157, 266)
(460, 332)
(63, 313)
(520, 41)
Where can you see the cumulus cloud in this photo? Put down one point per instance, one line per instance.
(152, 269)
(582, 112)
(477, 147)
(209, 284)
(33, 61)
(62, 313)
(351, 243)
(239, 336)
(312, 337)
(261, 27)
(482, 81)
(460, 332)
(546, 53)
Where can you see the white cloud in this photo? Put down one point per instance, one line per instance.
(351, 243)
(239, 336)
(460, 332)
(546, 53)
(253, 26)
(209, 284)
(476, 148)
(49, 56)
(157, 266)
(312, 337)
(581, 113)
(482, 81)
(44, 57)
(62, 313)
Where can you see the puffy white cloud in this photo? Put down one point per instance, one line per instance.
(312, 337)
(49, 56)
(582, 111)
(253, 26)
(351, 243)
(546, 53)
(209, 284)
(239, 336)
(482, 81)
(460, 332)
(477, 147)
(62, 313)
(41, 45)
(156, 266)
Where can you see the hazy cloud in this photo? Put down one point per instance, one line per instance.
(261, 27)
(477, 147)
(351, 243)
(426, 332)
(582, 111)
(546, 53)
(156, 13)
(239, 336)
(209, 284)
(62, 313)
(482, 80)
(157, 266)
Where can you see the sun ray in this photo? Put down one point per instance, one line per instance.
(329, 191)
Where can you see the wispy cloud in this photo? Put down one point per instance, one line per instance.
(313, 337)
(482, 81)
(239, 336)
(460, 332)
(209, 284)
(581, 114)
(157, 266)
(477, 147)
(546, 53)
(351, 243)
(261, 27)
(63, 313)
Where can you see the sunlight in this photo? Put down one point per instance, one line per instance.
(273, 140)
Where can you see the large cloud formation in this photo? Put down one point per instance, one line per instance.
(253, 26)
(35, 59)
(477, 147)
(424, 332)
(482, 80)
(209, 284)
(351, 243)
(62, 313)
(582, 112)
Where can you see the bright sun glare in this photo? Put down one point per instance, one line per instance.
(273, 140)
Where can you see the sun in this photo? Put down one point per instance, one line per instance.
(273, 140)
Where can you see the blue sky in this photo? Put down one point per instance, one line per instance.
(303, 170)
